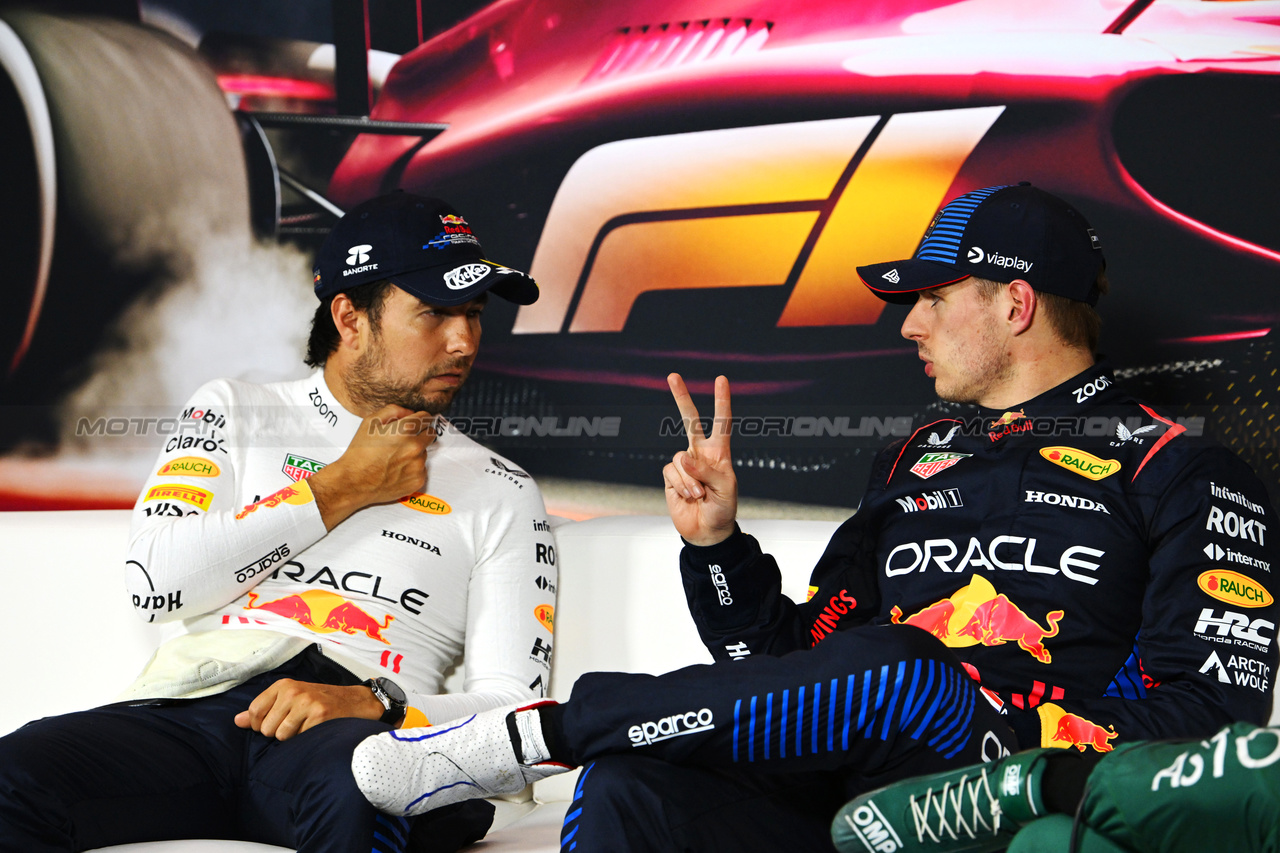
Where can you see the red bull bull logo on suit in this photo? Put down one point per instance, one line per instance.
(1059, 728)
(324, 612)
(976, 614)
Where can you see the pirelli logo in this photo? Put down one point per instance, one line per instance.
(795, 205)
(196, 497)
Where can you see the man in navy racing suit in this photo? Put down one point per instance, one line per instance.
(1080, 569)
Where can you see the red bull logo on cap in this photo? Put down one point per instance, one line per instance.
(1059, 728)
(976, 614)
(324, 612)
(450, 219)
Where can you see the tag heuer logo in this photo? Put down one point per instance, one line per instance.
(465, 276)
(300, 467)
(932, 463)
(891, 276)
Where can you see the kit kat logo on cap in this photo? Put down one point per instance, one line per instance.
(465, 276)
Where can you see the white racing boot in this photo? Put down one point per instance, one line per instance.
(411, 771)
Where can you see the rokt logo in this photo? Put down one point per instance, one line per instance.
(677, 725)
(1230, 524)
(358, 254)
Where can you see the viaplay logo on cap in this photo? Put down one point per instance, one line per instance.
(465, 276)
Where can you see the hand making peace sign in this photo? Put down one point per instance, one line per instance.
(701, 488)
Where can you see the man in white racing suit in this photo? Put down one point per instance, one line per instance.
(323, 548)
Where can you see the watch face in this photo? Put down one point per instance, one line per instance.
(393, 691)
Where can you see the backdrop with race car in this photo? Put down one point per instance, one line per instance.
(691, 186)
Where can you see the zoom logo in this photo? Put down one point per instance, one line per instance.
(358, 254)
(676, 725)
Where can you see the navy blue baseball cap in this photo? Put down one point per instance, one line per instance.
(1001, 234)
(421, 245)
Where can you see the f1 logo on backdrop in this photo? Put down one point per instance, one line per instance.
(798, 204)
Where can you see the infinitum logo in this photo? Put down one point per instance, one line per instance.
(358, 254)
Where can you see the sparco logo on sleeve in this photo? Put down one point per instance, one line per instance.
(722, 587)
(676, 725)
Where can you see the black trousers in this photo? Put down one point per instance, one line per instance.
(169, 769)
(758, 754)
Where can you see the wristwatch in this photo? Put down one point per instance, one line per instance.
(392, 698)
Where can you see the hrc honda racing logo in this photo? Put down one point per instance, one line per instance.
(677, 725)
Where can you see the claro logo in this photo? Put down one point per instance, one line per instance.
(673, 213)
(676, 725)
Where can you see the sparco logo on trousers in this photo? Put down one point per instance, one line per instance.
(666, 728)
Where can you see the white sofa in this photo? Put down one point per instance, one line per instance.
(70, 639)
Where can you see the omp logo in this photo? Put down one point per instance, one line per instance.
(1011, 784)
(813, 200)
(677, 725)
(872, 828)
(465, 276)
(975, 255)
(358, 254)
